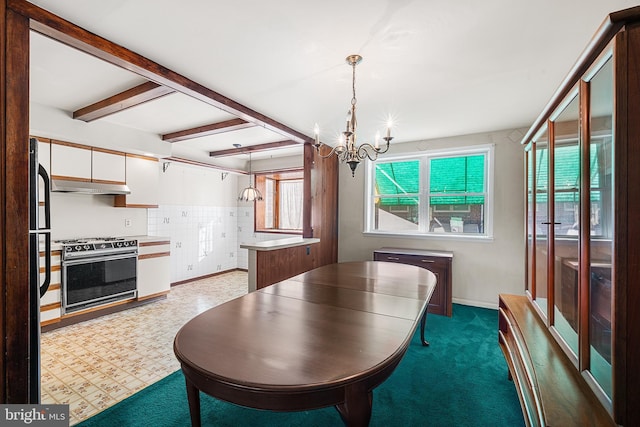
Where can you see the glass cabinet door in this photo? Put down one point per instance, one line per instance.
(566, 221)
(601, 228)
(529, 162)
(541, 174)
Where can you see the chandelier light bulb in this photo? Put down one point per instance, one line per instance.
(341, 146)
(316, 133)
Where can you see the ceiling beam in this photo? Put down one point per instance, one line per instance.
(207, 130)
(252, 148)
(63, 31)
(129, 98)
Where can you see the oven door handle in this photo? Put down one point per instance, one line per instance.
(89, 260)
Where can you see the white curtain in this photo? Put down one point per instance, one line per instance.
(291, 205)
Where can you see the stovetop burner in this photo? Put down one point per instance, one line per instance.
(76, 248)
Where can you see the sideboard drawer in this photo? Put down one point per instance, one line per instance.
(439, 263)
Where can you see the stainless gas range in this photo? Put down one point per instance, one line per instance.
(98, 271)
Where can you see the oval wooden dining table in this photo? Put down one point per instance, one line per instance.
(326, 337)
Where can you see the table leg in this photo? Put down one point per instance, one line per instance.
(356, 409)
(193, 394)
(423, 322)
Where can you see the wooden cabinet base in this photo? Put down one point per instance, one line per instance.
(438, 262)
(550, 389)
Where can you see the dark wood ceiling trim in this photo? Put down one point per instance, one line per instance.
(252, 148)
(63, 31)
(207, 130)
(129, 98)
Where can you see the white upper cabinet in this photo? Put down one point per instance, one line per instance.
(143, 179)
(70, 161)
(108, 166)
(44, 158)
(66, 160)
(44, 153)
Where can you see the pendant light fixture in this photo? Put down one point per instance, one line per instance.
(347, 150)
(249, 194)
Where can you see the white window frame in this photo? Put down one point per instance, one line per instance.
(424, 157)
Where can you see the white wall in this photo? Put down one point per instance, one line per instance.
(481, 269)
(200, 212)
(83, 215)
(53, 123)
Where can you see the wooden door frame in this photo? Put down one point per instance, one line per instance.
(14, 196)
(19, 17)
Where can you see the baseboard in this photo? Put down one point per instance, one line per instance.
(476, 303)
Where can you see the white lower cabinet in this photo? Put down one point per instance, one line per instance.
(50, 303)
(154, 268)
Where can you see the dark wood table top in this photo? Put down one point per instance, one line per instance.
(297, 344)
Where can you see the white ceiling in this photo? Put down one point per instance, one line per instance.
(438, 68)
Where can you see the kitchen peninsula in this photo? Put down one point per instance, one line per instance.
(274, 260)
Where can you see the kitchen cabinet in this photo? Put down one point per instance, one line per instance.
(51, 301)
(154, 268)
(44, 158)
(583, 247)
(70, 161)
(44, 152)
(143, 179)
(108, 166)
(438, 262)
(78, 162)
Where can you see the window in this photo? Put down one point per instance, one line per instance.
(281, 207)
(432, 193)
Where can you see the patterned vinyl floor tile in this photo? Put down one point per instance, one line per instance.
(95, 364)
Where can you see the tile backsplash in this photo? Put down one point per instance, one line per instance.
(205, 239)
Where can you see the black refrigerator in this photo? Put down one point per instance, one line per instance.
(39, 238)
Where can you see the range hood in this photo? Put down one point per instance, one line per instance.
(70, 186)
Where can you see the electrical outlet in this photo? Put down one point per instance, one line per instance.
(127, 222)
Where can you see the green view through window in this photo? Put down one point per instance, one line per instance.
(431, 193)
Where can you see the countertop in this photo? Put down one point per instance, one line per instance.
(272, 245)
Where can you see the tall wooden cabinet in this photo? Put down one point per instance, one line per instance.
(583, 230)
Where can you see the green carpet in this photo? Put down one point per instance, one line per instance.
(459, 380)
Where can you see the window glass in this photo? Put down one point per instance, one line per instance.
(282, 204)
(395, 179)
(269, 197)
(290, 206)
(460, 181)
(432, 193)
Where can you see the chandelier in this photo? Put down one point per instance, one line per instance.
(249, 194)
(347, 150)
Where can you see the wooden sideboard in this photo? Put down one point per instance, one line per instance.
(438, 262)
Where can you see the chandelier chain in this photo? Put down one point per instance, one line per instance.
(353, 84)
